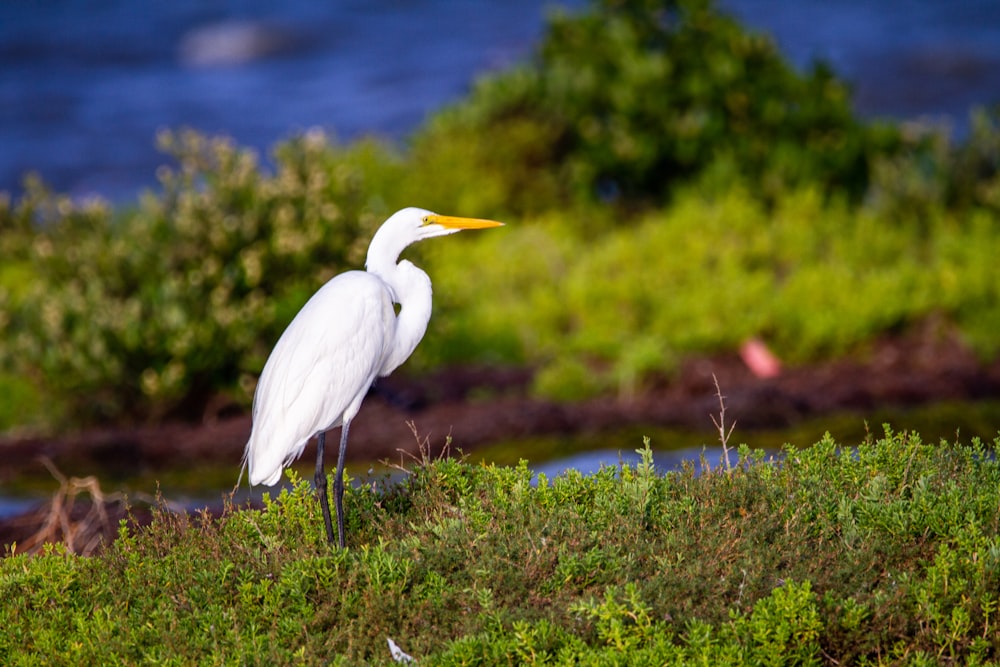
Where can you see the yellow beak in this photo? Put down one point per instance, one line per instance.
(452, 222)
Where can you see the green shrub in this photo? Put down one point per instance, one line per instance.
(933, 172)
(155, 309)
(814, 278)
(631, 98)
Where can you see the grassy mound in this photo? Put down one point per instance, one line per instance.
(883, 553)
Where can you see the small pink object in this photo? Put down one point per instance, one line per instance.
(760, 360)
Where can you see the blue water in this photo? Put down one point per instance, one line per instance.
(664, 460)
(84, 86)
(906, 59)
(587, 462)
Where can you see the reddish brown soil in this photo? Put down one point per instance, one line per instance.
(925, 366)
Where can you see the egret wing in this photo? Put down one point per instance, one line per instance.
(320, 370)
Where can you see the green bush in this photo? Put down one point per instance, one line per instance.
(631, 98)
(932, 172)
(155, 309)
(814, 278)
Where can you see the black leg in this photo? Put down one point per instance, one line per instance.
(338, 483)
(320, 481)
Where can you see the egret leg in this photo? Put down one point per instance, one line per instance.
(320, 481)
(338, 483)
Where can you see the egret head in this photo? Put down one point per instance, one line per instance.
(415, 224)
(424, 224)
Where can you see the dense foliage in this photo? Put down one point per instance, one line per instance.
(886, 553)
(814, 279)
(673, 186)
(634, 97)
(157, 307)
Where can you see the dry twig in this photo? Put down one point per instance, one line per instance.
(84, 535)
(423, 455)
(720, 424)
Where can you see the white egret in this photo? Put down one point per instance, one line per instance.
(347, 335)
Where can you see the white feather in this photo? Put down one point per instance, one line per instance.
(313, 379)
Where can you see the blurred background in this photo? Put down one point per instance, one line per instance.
(84, 87)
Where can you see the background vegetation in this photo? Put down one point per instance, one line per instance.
(887, 553)
(672, 186)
